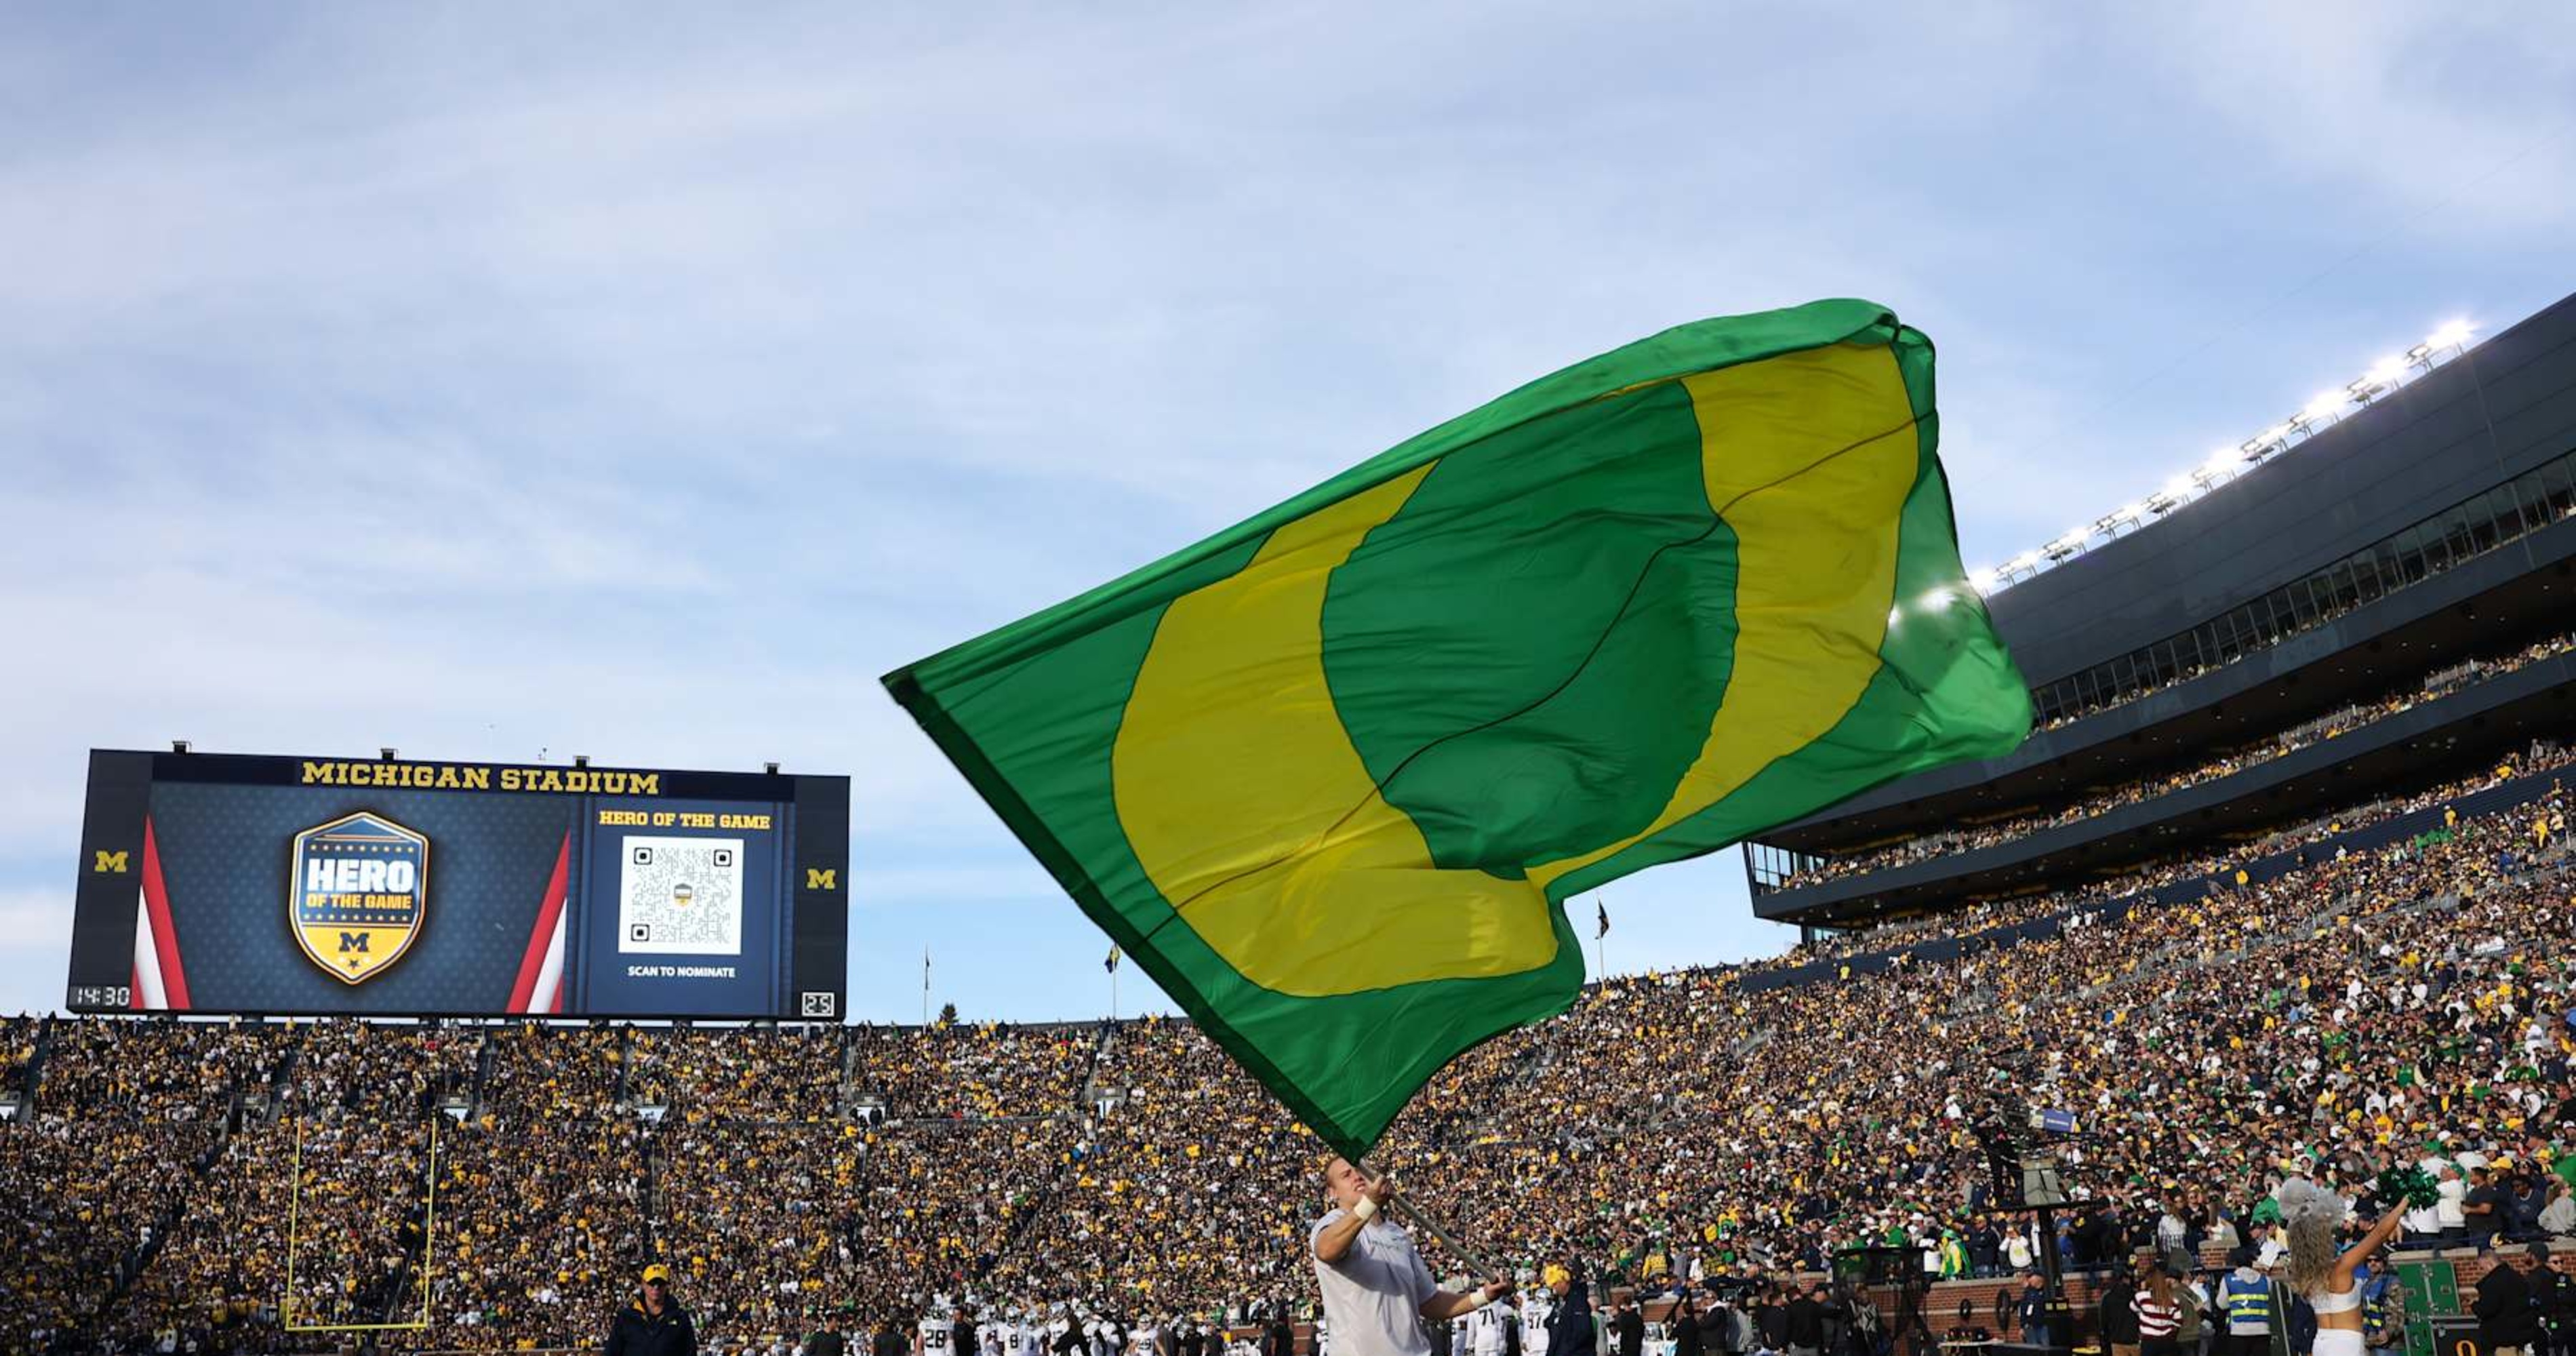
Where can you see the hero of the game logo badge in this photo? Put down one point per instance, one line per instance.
(359, 894)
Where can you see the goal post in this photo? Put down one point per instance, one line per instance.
(293, 1299)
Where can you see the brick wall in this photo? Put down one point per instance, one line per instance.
(2084, 1290)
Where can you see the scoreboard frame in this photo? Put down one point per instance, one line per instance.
(111, 907)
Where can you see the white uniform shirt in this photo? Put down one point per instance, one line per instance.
(1373, 1296)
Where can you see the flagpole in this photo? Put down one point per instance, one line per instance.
(1420, 1219)
(1600, 939)
(925, 988)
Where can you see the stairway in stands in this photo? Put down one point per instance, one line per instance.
(239, 1113)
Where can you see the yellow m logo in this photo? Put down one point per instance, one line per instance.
(822, 878)
(109, 863)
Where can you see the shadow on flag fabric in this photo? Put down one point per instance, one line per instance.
(1329, 775)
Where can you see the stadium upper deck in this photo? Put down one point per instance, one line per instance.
(2328, 620)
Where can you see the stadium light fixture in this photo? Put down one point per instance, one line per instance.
(388, 753)
(178, 746)
(2228, 462)
(581, 760)
(2382, 378)
(1982, 580)
(770, 768)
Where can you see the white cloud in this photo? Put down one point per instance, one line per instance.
(646, 389)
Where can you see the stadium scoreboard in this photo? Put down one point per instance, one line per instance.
(257, 884)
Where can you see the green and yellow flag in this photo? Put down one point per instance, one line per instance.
(1328, 774)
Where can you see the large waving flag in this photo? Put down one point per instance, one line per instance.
(1329, 774)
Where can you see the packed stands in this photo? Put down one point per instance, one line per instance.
(2347, 1012)
(2306, 734)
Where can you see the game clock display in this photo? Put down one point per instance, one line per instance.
(225, 883)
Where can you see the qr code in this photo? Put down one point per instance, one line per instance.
(680, 896)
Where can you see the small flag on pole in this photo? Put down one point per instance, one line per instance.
(1111, 964)
(1603, 928)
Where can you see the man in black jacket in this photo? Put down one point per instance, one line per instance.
(1628, 1328)
(1717, 1333)
(655, 1324)
(1771, 1320)
(2507, 1323)
(1682, 1321)
(1805, 1328)
(2553, 1293)
(2116, 1320)
(1569, 1332)
(1985, 1248)
(2034, 1312)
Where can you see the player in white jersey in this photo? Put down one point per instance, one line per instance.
(991, 1336)
(930, 1336)
(1489, 1330)
(1536, 1305)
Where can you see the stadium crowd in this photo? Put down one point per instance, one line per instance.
(2410, 1003)
(1926, 847)
(2350, 598)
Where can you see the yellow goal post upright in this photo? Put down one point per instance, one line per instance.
(428, 1242)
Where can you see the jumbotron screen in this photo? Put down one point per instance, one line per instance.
(230, 883)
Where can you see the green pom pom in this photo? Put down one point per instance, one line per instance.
(2414, 1186)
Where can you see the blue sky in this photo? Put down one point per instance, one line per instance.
(643, 381)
